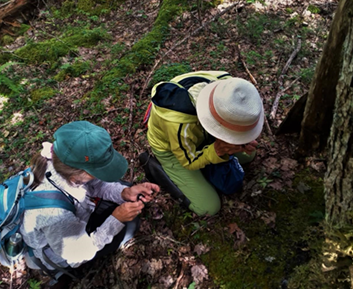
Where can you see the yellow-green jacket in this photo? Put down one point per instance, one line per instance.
(173, 125)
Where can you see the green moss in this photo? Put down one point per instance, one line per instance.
(272, 253)
(73, 70)
(22, 29)
(42, 94)
(7, 39)
(67, 8)
(6, 57)
(51, 50)
(86, 7)
(314, 9)
(168, 71)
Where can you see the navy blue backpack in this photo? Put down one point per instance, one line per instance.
(226, 177)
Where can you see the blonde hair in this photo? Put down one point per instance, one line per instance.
(39, 167)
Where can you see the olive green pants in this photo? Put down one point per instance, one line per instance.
(202, 195)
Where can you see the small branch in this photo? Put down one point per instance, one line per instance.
(290, 85)
(183, 40)
(253, 80)
(131, 106)
(182, 270)
(280, 80)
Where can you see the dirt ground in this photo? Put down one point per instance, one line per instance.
(251, 40)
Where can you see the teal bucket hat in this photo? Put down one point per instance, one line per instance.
(85, 146)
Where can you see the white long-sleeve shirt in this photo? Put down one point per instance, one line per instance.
(64, 231)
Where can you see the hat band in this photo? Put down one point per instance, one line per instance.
(231, 126)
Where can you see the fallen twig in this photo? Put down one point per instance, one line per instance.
(184, 266)
(253, 80)
(131, 106)
(183, 40)
(280, 80)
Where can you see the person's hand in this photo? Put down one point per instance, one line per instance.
(128, 211)
(146, 191)
(222, 148)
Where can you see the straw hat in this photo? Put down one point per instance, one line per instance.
(231, 110)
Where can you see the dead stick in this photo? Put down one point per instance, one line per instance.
(182, 270)
(280, 80)
(131, 104)
(253, 80)
(183, 40)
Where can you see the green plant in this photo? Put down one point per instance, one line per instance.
(6, 82)
(253, 57)
(34, 284)
(254, 27)
(306, 75)
(168, 71)
(314, 9)
(74, 70)
(263, 182)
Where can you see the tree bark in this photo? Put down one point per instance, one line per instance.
(339, 176)
(11, 8)
(315, 127)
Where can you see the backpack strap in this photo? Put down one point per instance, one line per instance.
(47, 199)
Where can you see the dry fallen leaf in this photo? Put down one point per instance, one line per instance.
(269, 218)
(201, 249)
(199, 273)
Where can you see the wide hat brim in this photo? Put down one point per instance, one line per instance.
(213, 127)
(112, 171)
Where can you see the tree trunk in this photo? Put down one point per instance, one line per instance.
(339, 176)
(315, 127)
(292, 122)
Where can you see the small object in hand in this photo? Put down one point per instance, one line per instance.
(139, 198)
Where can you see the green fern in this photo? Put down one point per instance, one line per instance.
(6, 83)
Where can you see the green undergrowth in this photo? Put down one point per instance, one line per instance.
(169, 71)
(273, 252)
(72, 70)
(15, 32)
(86, 7)
(51, 50)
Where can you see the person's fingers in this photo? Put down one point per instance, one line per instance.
(147, 191)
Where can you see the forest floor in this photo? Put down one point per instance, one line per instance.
(269, 236)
